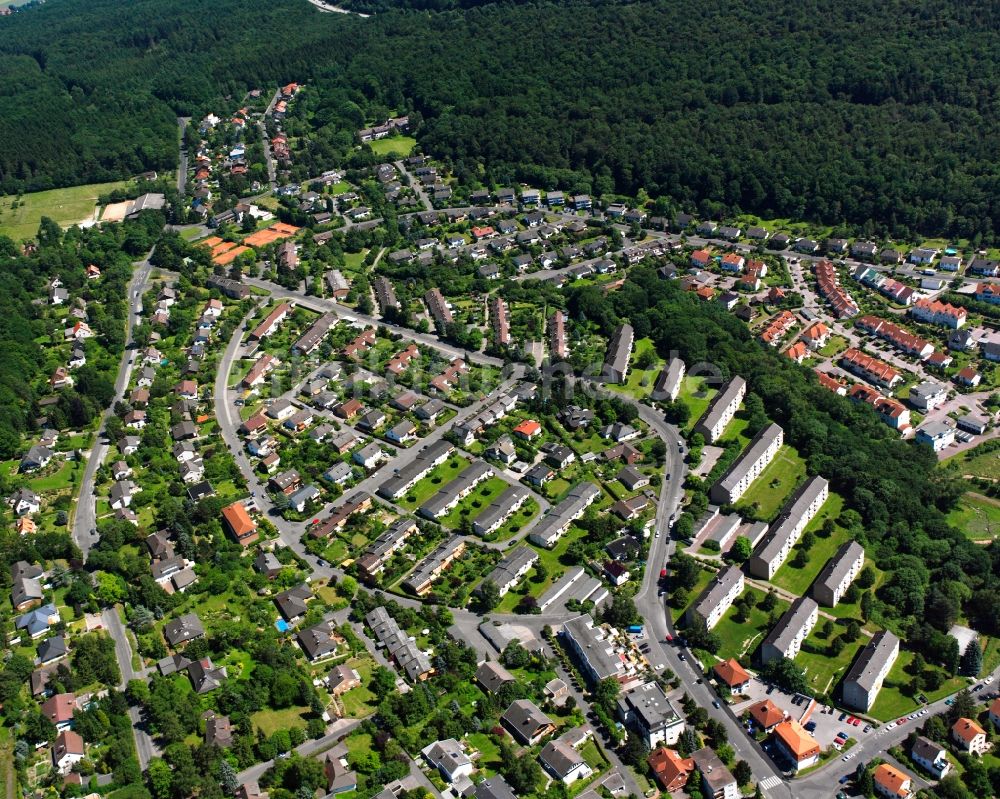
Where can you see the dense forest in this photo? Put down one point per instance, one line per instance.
(881, 115)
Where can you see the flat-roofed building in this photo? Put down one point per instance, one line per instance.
(800, 509)
(647, 711)
(717, 597)
(838, 574)
(722, 409)
(594, 649)
(867, 673)
(749, 465)
(785, 640)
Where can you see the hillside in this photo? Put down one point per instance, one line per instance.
(783, 109)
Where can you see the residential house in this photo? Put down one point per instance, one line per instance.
(526, 722)
(970, 737)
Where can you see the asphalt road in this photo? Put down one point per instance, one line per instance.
(144, 745)
(85, 518)
(182, 158)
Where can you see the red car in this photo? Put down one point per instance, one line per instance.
(856, 722)
(669, 638)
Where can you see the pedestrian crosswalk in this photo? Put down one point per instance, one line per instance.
(770, 782)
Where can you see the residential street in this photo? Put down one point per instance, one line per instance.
(85, 516)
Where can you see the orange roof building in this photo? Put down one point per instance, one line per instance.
(243, 528)
(891, 782)
(969, 736)
(528, 429)
(800, 747)
(732, 674)
(797, 352)
(671, 770)
(767, 715)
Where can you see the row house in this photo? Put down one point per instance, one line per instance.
(939, 313)
(871, 369)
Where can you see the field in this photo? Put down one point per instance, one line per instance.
(640, 382)
(65, 206)
(696, 396)
(742, 638)
(270, 721)
(823, 671)
(768, 492)
(892, 702)
(798, 580)
(400, 145)
(978, 517)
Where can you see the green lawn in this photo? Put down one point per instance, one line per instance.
(978, 517)
(59, 480)
(893, 702)
(835, 345)
(66, 206)
(768, 492)
(704, 578)
(640, 382)
(270, 721)
(474, 504)
(398, 145)
(439, 477)
(489, 752)
(798, 580)
(824, 671)
(360, 701)
(742, 638)
(549, 558)
(982, 461)
(696, 396)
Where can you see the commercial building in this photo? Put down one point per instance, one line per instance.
(749, 465)
(800, 509)
(594, 649)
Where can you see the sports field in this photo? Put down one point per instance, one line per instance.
(66, 206)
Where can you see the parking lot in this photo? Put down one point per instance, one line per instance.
(828, 723)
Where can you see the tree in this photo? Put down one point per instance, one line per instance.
(742, 772)
(227, 777)
(489, 596)
(972, 659)
(741, 549)
(769, 602)
(853, 631)
(160, 779)
(866, 579)
(634, 751)
(964, 706)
